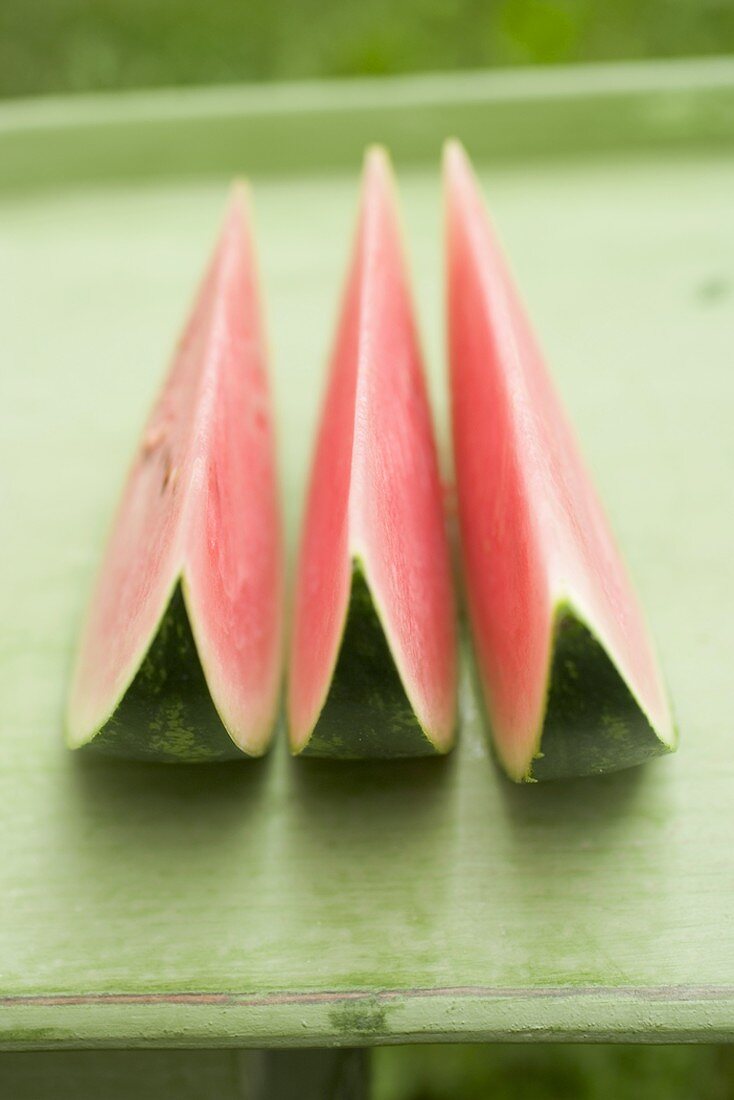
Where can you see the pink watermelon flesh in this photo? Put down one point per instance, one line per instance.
(569, 676)
(181, 650)
(373, 654)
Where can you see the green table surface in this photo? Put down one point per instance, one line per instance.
(294, 903)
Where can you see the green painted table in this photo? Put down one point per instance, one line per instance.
(287, 903)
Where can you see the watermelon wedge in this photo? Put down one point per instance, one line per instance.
(568, 673)
(373, 652)
(180, 654)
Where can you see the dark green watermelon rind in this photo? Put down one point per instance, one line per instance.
(167, 713)
(593, 723)
(367, 713)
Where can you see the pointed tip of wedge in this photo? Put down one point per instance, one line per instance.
(238, 208)
(378, 173)
(239, 192)
(235, 247)
(377, 158)
(461, 185)
(456, 163)
(453, 151)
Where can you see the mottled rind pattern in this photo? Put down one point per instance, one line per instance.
(367, 713)
(167, 713)
(593, 723)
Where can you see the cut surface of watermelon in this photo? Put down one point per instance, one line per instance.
(568, 673)
(180, 653)
(373, 651)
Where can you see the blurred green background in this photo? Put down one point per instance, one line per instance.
(540, 1072)
(517, 1072)
(80, 45)
(52, 46)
